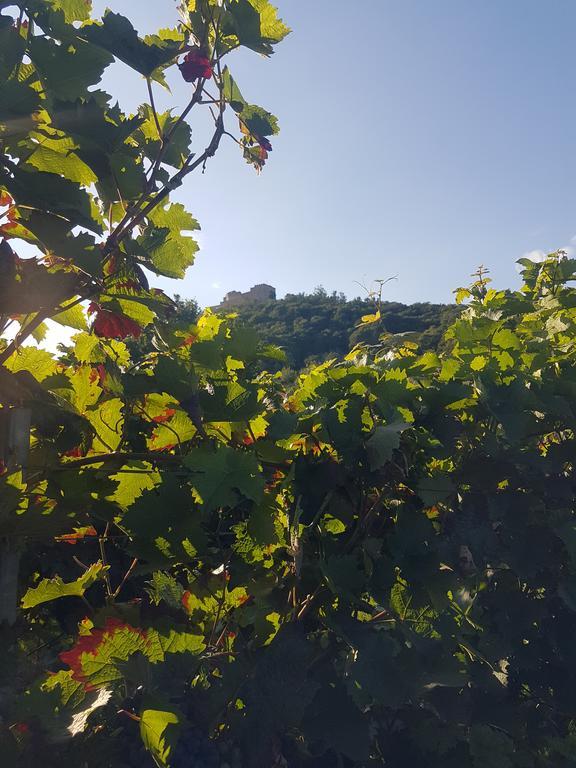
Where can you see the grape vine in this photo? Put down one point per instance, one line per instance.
(202, 567)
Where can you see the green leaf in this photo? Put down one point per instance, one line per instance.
(57, 155)
(131, 485)
(164, 587)
(462, 294)
(12, 46)
(18, 103)
(490, 748)
(67, 71)
(231, 92)
(224, 476)
(54, 194)
(116, 35)
(39, 333)
(282, 668)
(172, 640)
(177, 430)
(99, 129)
(165, 525)
(257, 25)
(506, 339)
(108, 421)
(73, 10)
(71, 693)
(258, 121)
(384, 441)
(36, 361)
(94, 659)
(449, 370)
(377, 670)
(85, 386)
(88, 348)
(159, 730)
(336, 721)
(168, 250)
(177, 149)
(53, 589)
(479, 363)
(271, 26)
(72, 318)
(434, 489)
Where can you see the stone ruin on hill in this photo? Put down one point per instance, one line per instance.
(256, 295)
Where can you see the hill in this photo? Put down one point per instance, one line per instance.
(312, 327)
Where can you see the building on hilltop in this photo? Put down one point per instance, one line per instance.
(256, 295)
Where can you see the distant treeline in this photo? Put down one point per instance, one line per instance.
(313, 327)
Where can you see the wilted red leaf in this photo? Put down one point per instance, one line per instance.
(74, 453)
(127, 285)
(110, 267)
(79, 533)
(98, 373)
(195, 65)
(264, 143)
(243, 600)
(186, 597)
(112, 325)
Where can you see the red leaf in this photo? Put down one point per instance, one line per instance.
(264, 143)
(113, 325)
(98, 373)
(196, 65)
(244, 600)
(165, 416)
(79, 533)
(186, 597)
(74, 453)
(90, 645)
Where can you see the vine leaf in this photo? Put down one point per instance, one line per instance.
(159, 732)
(116, 35)
(53, 589)
(383, 442)
(256, 25)
(224, 476)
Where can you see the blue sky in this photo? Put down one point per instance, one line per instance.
(419, 139)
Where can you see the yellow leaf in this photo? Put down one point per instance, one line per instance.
(368, 319)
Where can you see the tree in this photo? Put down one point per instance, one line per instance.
(316, 327)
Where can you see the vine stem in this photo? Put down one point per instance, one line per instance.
(127, 575)
(104, 559)
(154, 112)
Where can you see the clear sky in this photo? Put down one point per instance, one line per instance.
(419, 139)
